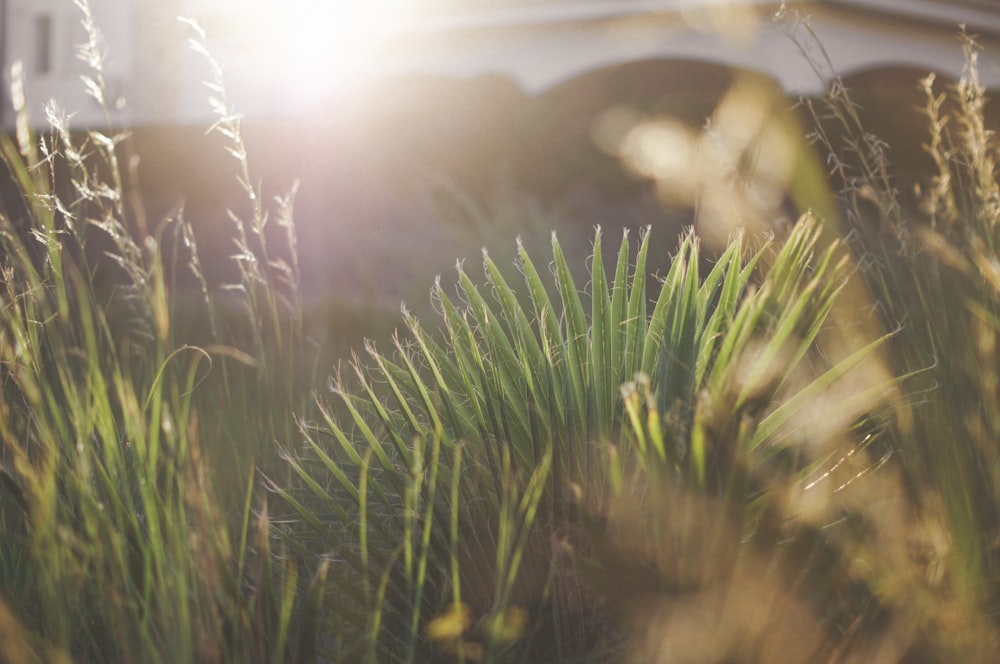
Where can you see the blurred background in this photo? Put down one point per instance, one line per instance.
(422, 130)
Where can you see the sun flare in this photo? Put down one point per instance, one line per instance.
(319, 46)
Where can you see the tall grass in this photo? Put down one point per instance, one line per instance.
(932, 270)
(690, 466)
(133, 526)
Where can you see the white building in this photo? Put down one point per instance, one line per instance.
(278, 61)
(140, 42)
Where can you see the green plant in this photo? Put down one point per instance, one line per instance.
(122, 542)
(462, 481)
(931, 271)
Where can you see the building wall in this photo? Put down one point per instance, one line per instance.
(44, 35)
(153, 77)
(159, 42)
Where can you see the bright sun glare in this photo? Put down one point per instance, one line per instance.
(320, 45)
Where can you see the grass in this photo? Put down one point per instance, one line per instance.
(932, 270)
(122, 540)
(782, 450)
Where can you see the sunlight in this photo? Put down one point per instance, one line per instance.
(318, 46)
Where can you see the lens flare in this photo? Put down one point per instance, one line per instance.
(313, 48)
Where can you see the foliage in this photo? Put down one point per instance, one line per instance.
(933, 270)
(461, 480)
(731, 462)
(128, 452)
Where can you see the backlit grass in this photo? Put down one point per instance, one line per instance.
(782, 450)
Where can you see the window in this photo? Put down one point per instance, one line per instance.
(43, 44)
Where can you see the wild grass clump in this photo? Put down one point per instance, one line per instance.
(932, 271)
(133, 526)
(515, 493)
